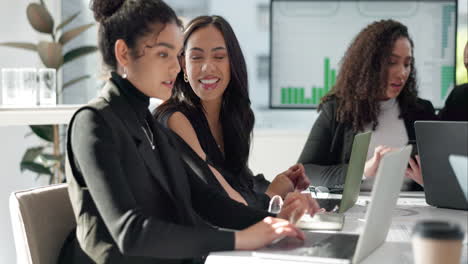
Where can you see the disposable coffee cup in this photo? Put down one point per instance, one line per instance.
(437, 242)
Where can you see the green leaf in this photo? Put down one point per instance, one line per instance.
(71, 34)
(48, 160)
(51, 54)
(51, 157)
(32, 153)
(45, 132)
(20, 45)
(35, 167)
(40, 18)
(71, 82)
(78, 52)
(67, 21)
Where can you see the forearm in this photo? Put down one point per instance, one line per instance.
(220, 210)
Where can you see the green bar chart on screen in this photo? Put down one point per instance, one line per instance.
(293, 95)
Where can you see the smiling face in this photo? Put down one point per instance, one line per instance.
(206, 63)
(154, 69)
(399, 67)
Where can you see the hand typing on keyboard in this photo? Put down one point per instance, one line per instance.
(295, 205)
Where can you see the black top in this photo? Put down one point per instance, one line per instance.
(456, 105)
(252, 188)
(134, 204)
(327, 150)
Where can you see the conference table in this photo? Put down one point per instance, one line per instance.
(411, 207)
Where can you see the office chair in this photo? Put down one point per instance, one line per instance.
(41, 218)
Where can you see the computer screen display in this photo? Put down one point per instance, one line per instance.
(309, 38)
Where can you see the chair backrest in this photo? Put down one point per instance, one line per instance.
(41, 218)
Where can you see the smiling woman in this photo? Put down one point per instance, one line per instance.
(211, 79)
(210, 110)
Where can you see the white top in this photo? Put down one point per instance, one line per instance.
(390, 131)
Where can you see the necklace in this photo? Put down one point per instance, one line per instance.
(150, 137)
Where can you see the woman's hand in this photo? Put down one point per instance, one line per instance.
(370, 169)
(414, 171)
(297, 175)
(281, 185)
(296, 205)
(265, 232)
(288, 181)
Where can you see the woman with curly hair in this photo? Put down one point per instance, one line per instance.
(210, 110)
(376, 90)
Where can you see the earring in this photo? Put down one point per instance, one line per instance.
(125, 75)
(185, 78)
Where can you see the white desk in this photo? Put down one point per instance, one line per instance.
(397, 249)
(38, 115)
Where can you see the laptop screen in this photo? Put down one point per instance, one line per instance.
(309, 38)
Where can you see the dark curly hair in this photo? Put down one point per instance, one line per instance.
(236, 116)
(363, 75)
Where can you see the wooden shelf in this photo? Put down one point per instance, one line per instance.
(39, 115)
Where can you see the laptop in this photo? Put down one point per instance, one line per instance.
(460, 168)
(351, 248)
(327, 221)
(436, 141)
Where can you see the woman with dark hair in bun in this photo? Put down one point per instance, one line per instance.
(134, 199)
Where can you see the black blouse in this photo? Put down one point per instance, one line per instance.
(456, 105)
(252, 188)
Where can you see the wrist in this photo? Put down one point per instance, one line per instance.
(270, 193)
(238, 240)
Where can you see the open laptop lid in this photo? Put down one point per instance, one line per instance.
(460, 167)
(389, 179)
(436, 141)
(355, 170)
(343, 247)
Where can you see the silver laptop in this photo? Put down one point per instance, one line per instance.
(347, 248)
(459, 165)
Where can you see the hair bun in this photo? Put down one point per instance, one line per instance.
(103, 9)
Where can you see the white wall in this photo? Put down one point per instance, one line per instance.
(15, 27)
(274, 151)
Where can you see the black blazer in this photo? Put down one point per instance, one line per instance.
(327, 150)
(456, 105)
(136, 205)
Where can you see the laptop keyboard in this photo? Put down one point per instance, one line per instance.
(326, 245)
(329, 204)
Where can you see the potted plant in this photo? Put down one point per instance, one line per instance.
(47, 158)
